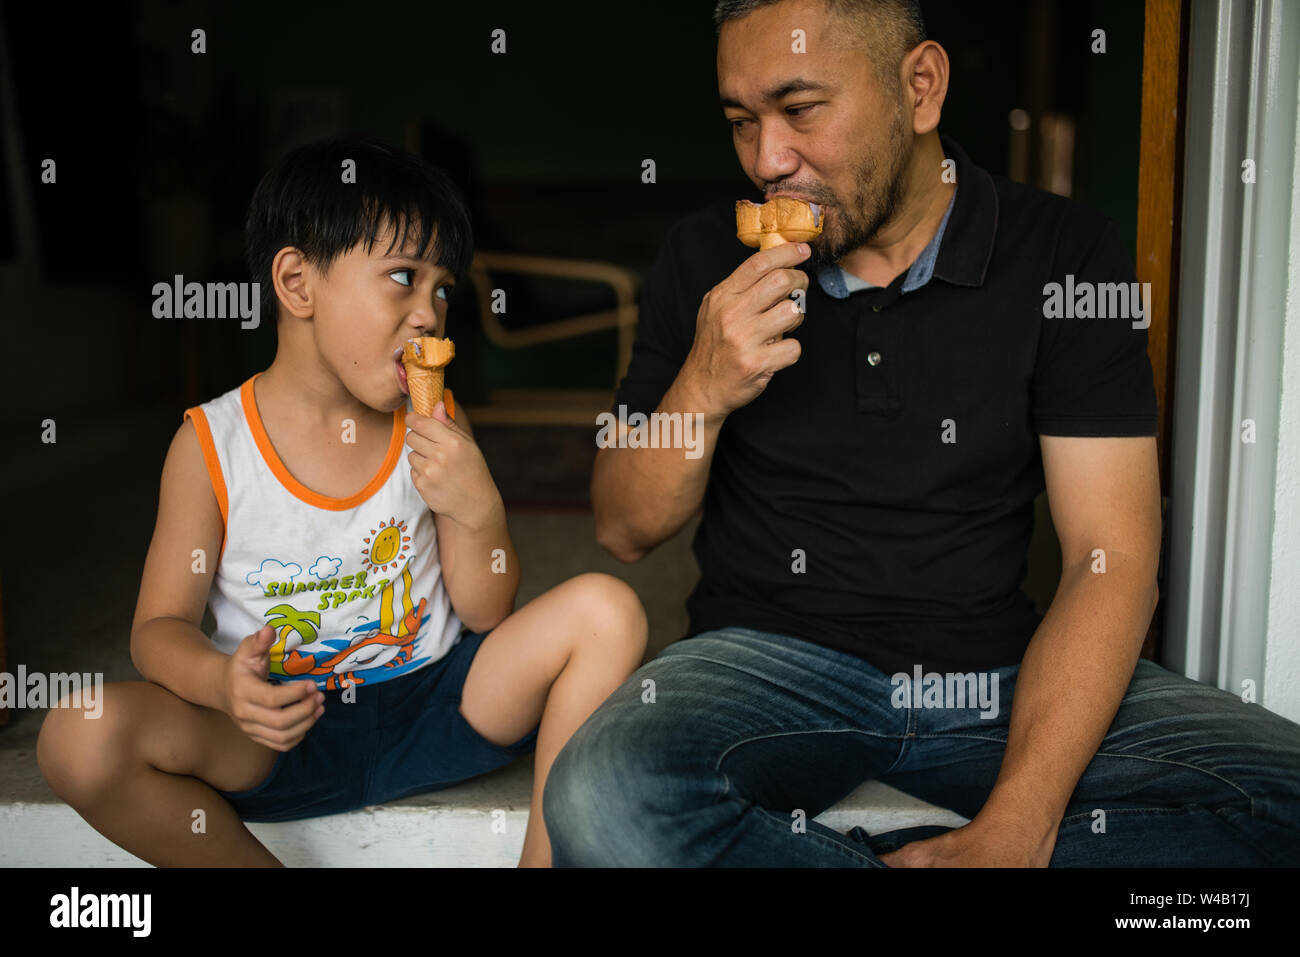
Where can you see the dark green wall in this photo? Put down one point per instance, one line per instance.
(587, 93)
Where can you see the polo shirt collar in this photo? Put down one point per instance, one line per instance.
(961, 248)
(968, 244)
(840, 283)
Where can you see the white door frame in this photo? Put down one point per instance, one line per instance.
(1237, 239)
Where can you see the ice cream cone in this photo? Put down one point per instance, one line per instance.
(425, 386)
(425, 360)
(779, 220)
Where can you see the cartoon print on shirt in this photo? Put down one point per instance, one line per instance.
(273, 571)
(388, 643)
(325, 568)
(293, 629)
(389, 542)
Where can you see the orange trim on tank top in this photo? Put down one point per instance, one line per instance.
(204, 431)
(296, 488)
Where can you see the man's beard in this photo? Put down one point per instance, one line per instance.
(874, 201)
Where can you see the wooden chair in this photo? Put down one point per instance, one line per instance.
(553, 406)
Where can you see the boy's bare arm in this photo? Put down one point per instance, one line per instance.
(167, 645)
(480, 568)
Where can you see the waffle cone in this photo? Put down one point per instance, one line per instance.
(425, 386)
(779, 220)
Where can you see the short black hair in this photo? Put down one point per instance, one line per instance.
(893, 27)
(303, 201)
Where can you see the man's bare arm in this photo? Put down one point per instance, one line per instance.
(1105, 500)
(642, 496)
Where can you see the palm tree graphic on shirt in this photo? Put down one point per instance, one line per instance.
(391, 646)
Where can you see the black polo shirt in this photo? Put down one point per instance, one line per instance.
(877, 497)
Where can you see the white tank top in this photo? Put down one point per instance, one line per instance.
(352, 586)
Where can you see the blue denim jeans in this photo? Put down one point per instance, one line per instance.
(745, 727)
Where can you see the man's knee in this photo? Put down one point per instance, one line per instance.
(624, 790)
(594, 789)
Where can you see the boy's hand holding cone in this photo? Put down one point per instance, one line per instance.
(447, 467)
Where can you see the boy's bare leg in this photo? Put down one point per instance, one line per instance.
(139, 772)
(556, 659)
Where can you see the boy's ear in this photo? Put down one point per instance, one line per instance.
(289, 273)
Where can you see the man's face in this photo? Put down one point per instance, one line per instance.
(815, 125)
(367, 305)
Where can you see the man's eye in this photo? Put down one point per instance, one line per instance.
(738, 125)
(799, 110)
(408, 271)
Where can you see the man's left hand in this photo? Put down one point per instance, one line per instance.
(973, 845)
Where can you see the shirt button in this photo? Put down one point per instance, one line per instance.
(874, 358)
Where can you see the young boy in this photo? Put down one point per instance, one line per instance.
(376, 596)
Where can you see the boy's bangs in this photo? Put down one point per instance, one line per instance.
(410, 230)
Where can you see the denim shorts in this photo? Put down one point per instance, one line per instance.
(399, 737)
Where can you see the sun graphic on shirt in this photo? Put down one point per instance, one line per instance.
(386, 546)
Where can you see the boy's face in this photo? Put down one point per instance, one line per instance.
(367, 306)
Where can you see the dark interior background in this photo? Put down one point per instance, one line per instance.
(158, 150)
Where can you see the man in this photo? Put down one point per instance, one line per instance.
(867, 478)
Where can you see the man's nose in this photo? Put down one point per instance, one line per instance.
(776, 160)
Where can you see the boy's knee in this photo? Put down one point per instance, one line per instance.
(612, 608)
(80, 755)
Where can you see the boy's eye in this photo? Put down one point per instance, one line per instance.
(409, 271)
(444, 292)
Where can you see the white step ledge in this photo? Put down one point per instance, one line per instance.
(449, 828)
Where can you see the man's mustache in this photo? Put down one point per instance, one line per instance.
(819, 195)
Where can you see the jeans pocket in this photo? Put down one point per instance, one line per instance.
(889, 841)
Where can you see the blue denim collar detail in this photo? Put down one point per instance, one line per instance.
(839, 283)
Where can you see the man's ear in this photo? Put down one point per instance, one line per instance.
(925, 80)
(290, 274)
